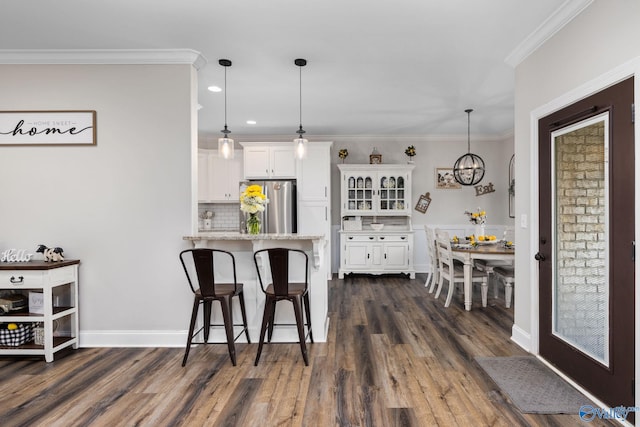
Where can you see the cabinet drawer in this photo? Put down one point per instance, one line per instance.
(60, 276)
(21, 279)
(394, 238)
(25, 279)
(361, 238)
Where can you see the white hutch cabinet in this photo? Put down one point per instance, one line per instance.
(376, 194)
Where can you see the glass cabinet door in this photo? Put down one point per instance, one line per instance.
(392, 193)
(359, 193)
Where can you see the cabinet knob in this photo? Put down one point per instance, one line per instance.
(403, 237)
(17, 282)
(350, 237)
(381, 237)
(370, 238)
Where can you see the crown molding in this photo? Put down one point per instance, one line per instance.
(103, 56)
(561, 17)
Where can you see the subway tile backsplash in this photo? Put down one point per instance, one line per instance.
(226, 216)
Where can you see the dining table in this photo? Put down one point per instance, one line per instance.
(468, 253)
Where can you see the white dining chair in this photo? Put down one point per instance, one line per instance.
(488, 266)
(452, 272)
(432, 275)
(506, 275)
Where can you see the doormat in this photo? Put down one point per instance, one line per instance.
(533, 387)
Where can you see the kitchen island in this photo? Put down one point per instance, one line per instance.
(242, 246)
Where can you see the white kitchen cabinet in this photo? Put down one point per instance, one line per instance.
(57, 282)
(219, 178)
(269, 160)
(314, 200)
(315, 172)
(382, 194)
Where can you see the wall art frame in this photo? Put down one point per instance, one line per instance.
(423, 203)
(44, 128)
(445, 179)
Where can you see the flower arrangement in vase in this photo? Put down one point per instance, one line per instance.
(343, 153)
(411, 152)
(478, 218)
(252, 201)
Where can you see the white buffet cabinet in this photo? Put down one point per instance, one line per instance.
(58, 284)
(376, 194)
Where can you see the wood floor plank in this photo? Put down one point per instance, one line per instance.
(395, 356)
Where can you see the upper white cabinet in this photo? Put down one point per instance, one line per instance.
(269, 160)
(376, 190)
(218, 178)
(315, 172)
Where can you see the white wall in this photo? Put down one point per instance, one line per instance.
(121, 207)
(600, 39)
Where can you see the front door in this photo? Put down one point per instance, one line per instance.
(586, 247)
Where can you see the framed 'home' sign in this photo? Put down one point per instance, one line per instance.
(48, 127)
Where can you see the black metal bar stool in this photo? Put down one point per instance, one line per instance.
(200, 266)
(281, 288)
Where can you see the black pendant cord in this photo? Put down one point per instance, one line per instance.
(225, 98)
(300, 131)
(468, 129)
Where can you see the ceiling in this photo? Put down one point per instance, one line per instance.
(375, 67)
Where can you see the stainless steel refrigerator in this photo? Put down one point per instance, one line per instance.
(280, 214)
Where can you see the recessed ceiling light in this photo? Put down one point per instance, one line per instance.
(215, 89)
(251, 122)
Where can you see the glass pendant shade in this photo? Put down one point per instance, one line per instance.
(469, 168)
(225, 148)
(300, 147)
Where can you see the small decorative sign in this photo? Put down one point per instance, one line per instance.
(481, 190)
(423, 203)
(48, 128)
(15, 255)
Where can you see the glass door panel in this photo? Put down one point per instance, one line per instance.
(580, 292)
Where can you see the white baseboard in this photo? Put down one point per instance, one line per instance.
(179, 338)
(520, 337)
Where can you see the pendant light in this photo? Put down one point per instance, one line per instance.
(300, 143)
(469, 168)
(225, 144)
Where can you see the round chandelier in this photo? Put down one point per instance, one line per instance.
(469, 168)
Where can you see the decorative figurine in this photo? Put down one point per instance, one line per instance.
(51, 254)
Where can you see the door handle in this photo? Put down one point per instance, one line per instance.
(539, 257)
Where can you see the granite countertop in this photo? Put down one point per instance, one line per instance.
(234, 235)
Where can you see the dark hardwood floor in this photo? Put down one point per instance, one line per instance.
(394, 357)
